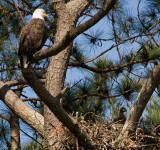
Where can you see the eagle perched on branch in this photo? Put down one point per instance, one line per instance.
(32, 37)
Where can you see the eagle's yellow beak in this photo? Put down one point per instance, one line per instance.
(45, 15)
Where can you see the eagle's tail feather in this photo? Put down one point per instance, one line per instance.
(25, 63)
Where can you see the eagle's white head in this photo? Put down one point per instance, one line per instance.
(39, 13)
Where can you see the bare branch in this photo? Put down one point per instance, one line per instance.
(140, 104)
(115, 36)
(128, 39)
(31, 99)
(108, 5)
(19, 12)
(60, 95)
(54, 105)
(30, 116)
(5, 117)
(20, 82)
(31, 137)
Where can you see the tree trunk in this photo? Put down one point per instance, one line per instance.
(15, 132)
(67, 19)
(55, 78)
(56, 73)
(14, 124)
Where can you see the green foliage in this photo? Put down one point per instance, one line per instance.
(148, 52)
(115, 110)
(9, 59)
(126, 25)
(128, 57)
(81, 99)
(100, 84)
(77, 53)
(9, 20)
(103, 63)
(153, 113)
(4, 134)
(32, 146)
(126, 87)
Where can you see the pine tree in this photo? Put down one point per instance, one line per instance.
(116, 65)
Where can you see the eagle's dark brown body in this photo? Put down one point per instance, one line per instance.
(31, 39)
(121, 117)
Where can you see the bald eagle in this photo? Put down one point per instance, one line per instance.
(32, 37)
(121, 117)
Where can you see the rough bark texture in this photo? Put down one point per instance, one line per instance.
(57, 70)
(27, 114)
(15, 132)
(56, 73)
(67, 18)
(140, 104)
(14, 124)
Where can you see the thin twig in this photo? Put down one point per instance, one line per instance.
(5, 117)
(31, 137)
(131, 38)
(19, 12)
(115, 35)
(31, 99)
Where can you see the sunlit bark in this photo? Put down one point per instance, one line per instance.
(140, 104)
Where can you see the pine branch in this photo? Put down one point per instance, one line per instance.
(128, 39)
(144, 24)
(19, 12)
(115, 68)
(10, 3)
(108, 96)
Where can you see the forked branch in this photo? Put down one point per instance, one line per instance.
(54, 105)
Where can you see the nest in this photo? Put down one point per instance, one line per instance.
(104, 136)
